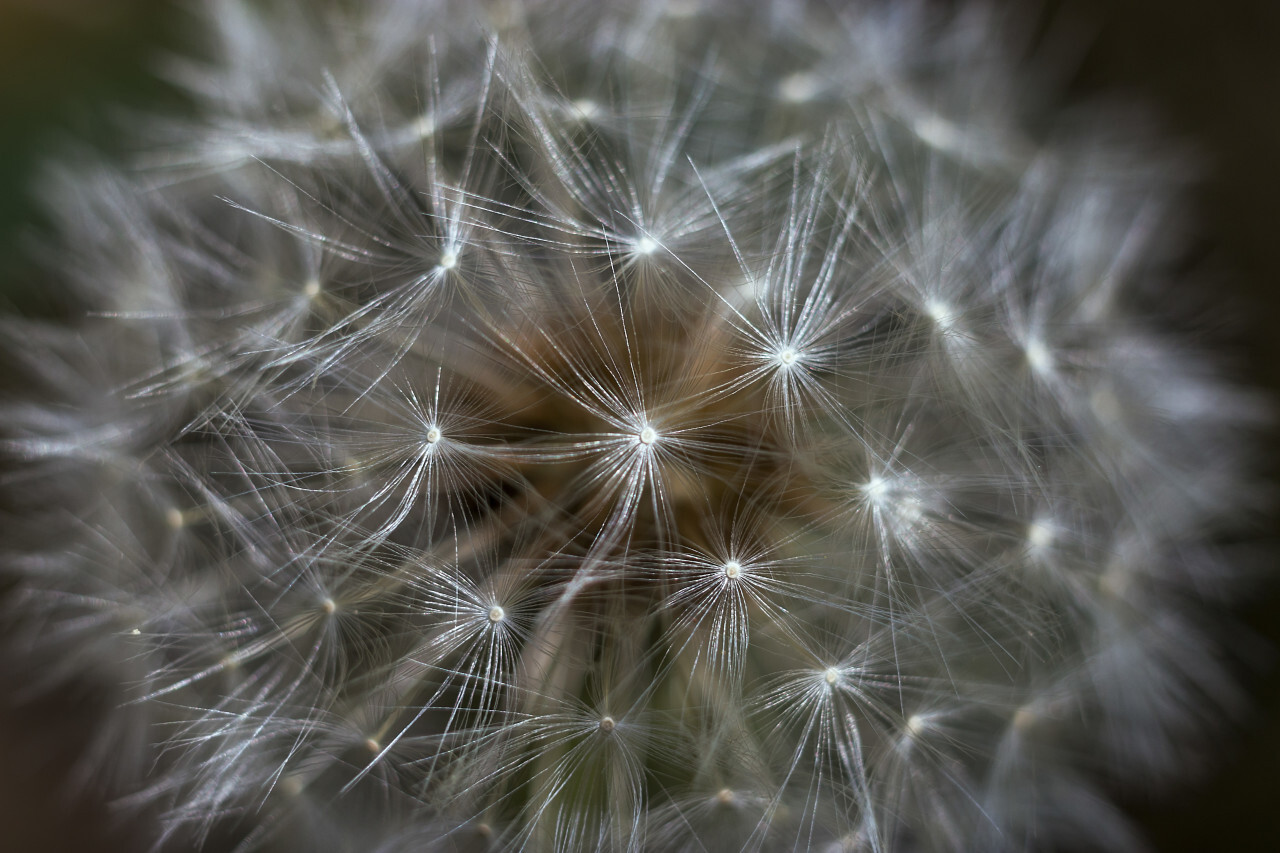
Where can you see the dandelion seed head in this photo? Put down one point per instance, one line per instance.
(344, 514)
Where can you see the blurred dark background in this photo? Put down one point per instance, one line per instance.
(1209, 71)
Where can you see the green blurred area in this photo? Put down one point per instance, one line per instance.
(1212, 72)
(66, 69)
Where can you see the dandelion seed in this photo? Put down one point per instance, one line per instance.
(831, 676)
(607, 725)
(647, 436)
(448, 260)
(311, 289)
(732, 570)
(497, 614)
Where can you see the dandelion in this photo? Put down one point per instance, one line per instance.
(602, 426)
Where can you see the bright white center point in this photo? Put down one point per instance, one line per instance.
(1039, 357)
(174, 518)
(448, 260)
(915, 724)
(311, 289)
(787, 356)
(937, 132)
(732, 569)
(584, 109)
(434, 435)
(329, 606)
(425, 125)
(646, 246)
(799, 87)
(1039, 535)
(725, 797)
(497, 614)
(647, 436)
(832, 675)
(940, 313)
(1024, 718)
(607, 724)
(875, 488)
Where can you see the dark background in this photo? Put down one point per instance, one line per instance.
(1211, 73)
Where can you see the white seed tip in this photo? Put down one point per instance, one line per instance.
(311, 289)
(1024, 718)
(1039, 358)
(136, 631)
(646, 246)
(372, 745)
(941, 314)
(937, 132)
(584, 109)
(725, 797)
(448, 260)
(875, 488)
(647, 436)
(915, 725)
(832, 675)
(787, 357)
(607, 724)
(434, 435)
(1039, 535)
(174, 518)
(798, 88)
(732, 569)
(329, 606)
(497, 614)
